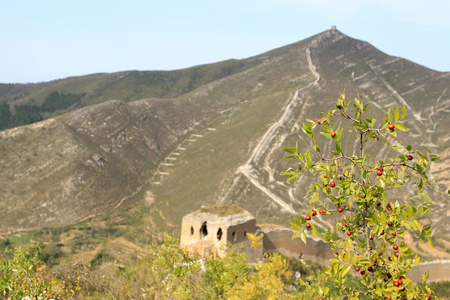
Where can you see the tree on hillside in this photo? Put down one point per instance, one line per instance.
(367, 234)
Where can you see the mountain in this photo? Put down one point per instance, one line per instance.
(205, 135)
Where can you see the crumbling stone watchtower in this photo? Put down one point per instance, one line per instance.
(209, 230)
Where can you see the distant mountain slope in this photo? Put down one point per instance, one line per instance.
(205, 135)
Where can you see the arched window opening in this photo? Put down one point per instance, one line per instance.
(203, 230)
(233, 236)
(219, 234)
(192, 230)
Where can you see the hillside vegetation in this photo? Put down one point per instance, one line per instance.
(143, 149)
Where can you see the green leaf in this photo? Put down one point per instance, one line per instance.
(338, 147)
(289, 150)
(314, 230)
(403, 112)
(303, 236)
(389, 115)
(400, 126)
(364, 174)
(397, 147)
(346, 270)
(425, 276)
(420, 186)
(396, 113)
(430, 242)
(347, 256)
(416, 260)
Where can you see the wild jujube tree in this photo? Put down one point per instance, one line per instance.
(368, 232)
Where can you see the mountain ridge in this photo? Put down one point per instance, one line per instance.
(201, 147)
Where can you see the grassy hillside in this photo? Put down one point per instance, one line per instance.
(203, 135)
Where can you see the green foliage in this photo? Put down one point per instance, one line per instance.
(29, 113)
(56, 101)
(441, 288)
(26, 275)
(26, 114)
(267, 282)
(367, 234)
(5, 116)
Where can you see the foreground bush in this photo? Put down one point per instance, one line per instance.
(357, 189)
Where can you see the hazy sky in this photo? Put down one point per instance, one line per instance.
(51, 39)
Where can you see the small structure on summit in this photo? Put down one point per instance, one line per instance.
(210, 230)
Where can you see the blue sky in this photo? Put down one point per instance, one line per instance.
(51, 39)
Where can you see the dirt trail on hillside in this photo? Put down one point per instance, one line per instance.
(268, 136)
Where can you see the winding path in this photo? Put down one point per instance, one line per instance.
(247, 168)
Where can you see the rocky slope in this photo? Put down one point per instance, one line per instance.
(215, 140)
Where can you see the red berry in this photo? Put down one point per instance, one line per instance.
(379, 172)
(410, 157)
(332, 184)
(399, 281)
(308, 218)
(371, 237)
(379, 204)
(390, 223)
(314, 213)
(395, 283)
(363, 272)
(370, 268)
(395, 247)
(357, 269)
(349, 233)
(374, 260)
(397, 254)
(391, 126)
(319, 121)
(321, 211)
(428, 297)
(45, 289)
(340, 209)
(333, 134)
(394, 234)
(382, 232)
(358, 196)
(308, 225)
